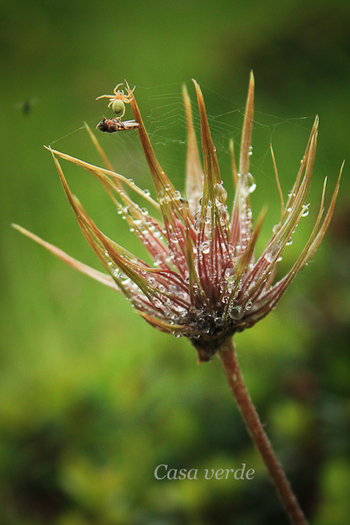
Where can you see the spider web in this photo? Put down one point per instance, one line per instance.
(163, 112)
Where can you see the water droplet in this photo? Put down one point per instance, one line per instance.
(173, 238)
(251, 183)
(220, 193)
(198, 225)
(249, 304)
(224, 215)
(229, 274)
(289, 241)
(192, 309)
(236, 312)
(205, 247)
(276, 228)
(305, 211)
(147, 192)
(272, 252)
(218, 321)
(203, 325)
(158, 258)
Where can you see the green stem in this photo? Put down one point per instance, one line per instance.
(229, 360)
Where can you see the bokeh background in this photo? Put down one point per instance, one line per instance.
(92, 398)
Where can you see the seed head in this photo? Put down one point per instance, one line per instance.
(204, 281)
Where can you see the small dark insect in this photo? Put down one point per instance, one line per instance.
(114, 124)
(26, 106)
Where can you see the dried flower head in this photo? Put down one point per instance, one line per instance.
(204, 283)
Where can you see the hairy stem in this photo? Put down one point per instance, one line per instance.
(229, 360)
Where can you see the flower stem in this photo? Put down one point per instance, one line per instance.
(239, 390)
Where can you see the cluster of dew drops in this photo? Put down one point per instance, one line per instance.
(236, 312)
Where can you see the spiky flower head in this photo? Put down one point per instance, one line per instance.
(204, 281)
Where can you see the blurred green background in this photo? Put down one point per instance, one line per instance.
(92, 398)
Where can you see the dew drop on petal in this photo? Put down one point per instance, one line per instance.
(229, 274)
(272, 252)
(205, 247)
(251, 183)
(173, 238)
(204, 325)
(220, 193)
(207, 219)
(224, 215)
(305, 211)
(236, 312)
(198, 225)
